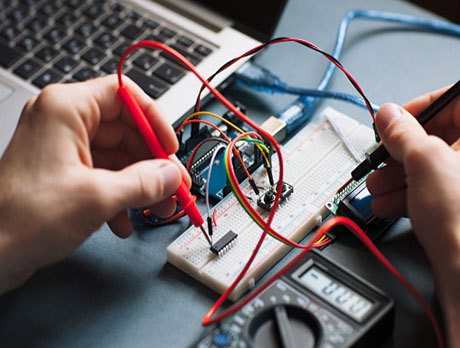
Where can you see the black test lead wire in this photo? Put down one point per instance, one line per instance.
(380, 154)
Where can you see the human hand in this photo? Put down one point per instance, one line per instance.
(422, 181)
(77, 160)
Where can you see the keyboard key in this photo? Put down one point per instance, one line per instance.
(66, 64)
(27, 69)
(48, 9)
(110, 67)
(168, 73)
(74, 46)
(202, 50)
(167, 32)
(8, 55)
(185, 41)
(27, 43)
(47, 54)
(74, 3)
(17, 14)
(145, 61)
(121, 48)
(131, 32)
(193, 59)
(67, 19)
(117, 7)
(9, 32)
(155, 38)
(36, 25)
(151, 24)
(152, 87)
(105, 40)
(55, 35)
(93, 56)
(46, 78)
(85, 74)
(112, 22)
(29, 3)
(86, 30)
(133, 15)
(93, 11)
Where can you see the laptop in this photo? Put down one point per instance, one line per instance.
(43, 42)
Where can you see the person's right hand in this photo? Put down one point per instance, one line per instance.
(422, 181)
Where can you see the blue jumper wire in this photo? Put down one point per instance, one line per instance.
(301, 109)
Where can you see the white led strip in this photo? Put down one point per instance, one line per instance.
(316, 163)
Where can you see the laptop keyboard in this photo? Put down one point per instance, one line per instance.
(44, 42)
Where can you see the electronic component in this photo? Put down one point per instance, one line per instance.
(230, 115)
(316, 163)
(275, 127)
(224, 243)
(316, 303)
(203, 145)
(354, 202)
(267, 199)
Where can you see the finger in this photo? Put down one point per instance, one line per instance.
(96, 101)
(390, 205)
(158, 121)
(139, 185)
(387, 179)
(446, 117)
(185, 174)
(165, 208)
(456, 145)
(399, 130)
(112, 159)
(115, 134)
(121, 225)
(418, 104)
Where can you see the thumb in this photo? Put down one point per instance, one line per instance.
(138, 185)
(400, 131)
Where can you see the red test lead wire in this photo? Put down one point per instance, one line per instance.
(209, 317)
(185, 198)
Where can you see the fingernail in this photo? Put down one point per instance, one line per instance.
(171, 177)
(386, 115)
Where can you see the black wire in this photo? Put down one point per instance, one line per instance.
(279, 39)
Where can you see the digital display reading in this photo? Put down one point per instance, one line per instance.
(337, 294)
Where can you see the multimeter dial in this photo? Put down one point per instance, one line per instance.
(283, 326)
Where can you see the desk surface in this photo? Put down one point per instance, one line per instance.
(122, 293)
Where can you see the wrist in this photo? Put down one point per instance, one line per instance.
(12, 271)
(446, 268)
(11, 274)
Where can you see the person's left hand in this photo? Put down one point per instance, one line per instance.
(77, 160)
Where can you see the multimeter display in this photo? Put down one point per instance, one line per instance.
(337, 294)
(314, 304)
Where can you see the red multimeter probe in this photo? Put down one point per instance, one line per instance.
(185, 198)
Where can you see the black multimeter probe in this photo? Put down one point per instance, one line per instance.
(380, 154)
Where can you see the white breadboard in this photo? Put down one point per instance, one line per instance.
(316, 163)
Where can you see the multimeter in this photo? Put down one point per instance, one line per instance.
(316, 303)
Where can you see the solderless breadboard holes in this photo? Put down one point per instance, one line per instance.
(317, 163)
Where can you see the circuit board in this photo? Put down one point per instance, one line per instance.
(316, 164)
(353, 201)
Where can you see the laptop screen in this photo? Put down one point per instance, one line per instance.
(257, 18)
